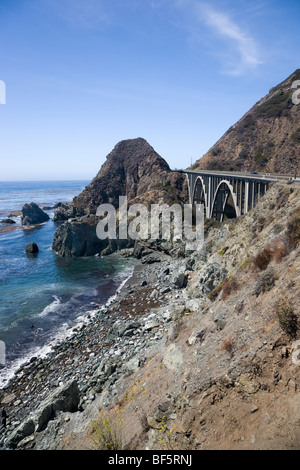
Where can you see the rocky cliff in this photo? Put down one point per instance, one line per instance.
(134, 169)
(265, 139)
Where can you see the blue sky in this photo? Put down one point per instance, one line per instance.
(81, 75)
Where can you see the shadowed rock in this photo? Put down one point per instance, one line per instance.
(32, 248)
(32, 214)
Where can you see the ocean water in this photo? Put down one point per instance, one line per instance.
(43, 297)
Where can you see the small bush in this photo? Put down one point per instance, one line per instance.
(106, 432)
(277, 228)
(215, 292)
(228, 287)
(280, 252)
(293, 229)
(296, 135)
(287, 318)
(228, 346)
(244, 264)
(265, 282)
(263, 258)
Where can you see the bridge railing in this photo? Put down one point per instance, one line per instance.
(254, 175)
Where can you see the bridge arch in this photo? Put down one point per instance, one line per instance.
(199, 194)
(224, 202)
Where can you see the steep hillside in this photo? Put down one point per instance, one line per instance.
(265, 139)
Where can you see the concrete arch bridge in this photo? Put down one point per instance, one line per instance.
(228, 194)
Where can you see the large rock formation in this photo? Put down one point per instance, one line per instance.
(32, 214)
(132, 169)
(265, 139)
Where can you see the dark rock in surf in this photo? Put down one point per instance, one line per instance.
(8, 221)
(32, 248)
(32, 214)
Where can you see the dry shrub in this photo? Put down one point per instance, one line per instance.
(265, 282)
(275, 250)
(293, 229)
(286, 317)
(228, 346)
(215, 292)
(106, 431)
(278, 249)
(263, 258)
(280, 252)
(228, 287)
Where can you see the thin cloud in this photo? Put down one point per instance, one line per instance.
(237, 50)
(225, 27)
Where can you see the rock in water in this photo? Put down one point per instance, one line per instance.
(32, 214)
(8, 221)
(32, 248)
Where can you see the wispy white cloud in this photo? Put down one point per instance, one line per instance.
(218, 32)
(247, 55)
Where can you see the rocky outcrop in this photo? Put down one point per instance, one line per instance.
(265, 139)
(135, 170)
(132, 169)
(32, 214)
(78, 237)
(64, 211)
(65, 399)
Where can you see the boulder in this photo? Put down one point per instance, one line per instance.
(32, 214)
(64, 212)
(32, 248)
(65, 399)
(78, 237)
(151, 258)
(180, 280)
(211, 276)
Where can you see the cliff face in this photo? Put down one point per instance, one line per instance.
(134, 169)
(265, 139)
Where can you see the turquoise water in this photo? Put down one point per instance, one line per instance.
(43, 296)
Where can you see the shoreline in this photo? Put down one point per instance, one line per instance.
(120, 332)
(63, 334)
